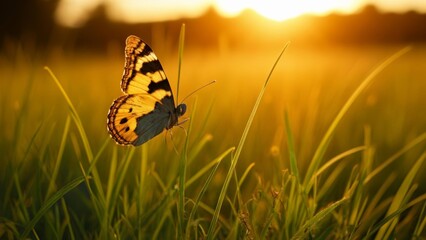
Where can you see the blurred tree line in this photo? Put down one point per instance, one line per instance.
(33, 21)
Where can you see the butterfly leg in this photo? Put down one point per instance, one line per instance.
(173, 142)
(182, 122)
(179, 124)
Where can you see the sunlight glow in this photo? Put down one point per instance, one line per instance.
(74, 13)
(280, 10)
(151, 11)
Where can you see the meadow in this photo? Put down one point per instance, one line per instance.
(333, 149)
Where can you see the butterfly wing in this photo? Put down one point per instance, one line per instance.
(147, 108)
(143, 72)
(136, 118)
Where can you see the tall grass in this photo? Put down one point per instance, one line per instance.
(60, 181)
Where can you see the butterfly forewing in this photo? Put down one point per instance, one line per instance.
(143, 72)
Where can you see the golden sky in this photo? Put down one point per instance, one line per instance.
(74, 13)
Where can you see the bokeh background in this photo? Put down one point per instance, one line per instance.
(334, 45)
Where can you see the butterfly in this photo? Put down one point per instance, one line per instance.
(147, 107)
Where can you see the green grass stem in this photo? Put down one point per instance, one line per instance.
(49, 203)
(398, 201)
(322, 147)
(235, 158)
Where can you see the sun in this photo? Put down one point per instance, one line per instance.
(280, 10)
(273, 10)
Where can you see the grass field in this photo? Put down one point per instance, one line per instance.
(313, 165)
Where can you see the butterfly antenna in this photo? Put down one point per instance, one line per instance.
(198, 89)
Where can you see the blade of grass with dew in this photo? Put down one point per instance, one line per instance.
(386, 230)
(320, 151)
(234, 160)
(216, 162)
(49, 203)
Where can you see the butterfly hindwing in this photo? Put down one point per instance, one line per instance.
(136, 118)
(148, 107)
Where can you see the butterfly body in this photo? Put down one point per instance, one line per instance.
(147, 107)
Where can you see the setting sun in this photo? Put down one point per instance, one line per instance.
(73, 13)
(279, 10)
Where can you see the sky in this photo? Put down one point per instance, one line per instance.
(74, 13)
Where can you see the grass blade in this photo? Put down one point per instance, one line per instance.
(388, 218)
(180, 54)
(216, 163)
(234, 160)
(322, 147)
(74, 115)
(397, 202)
(386, 163)
(300, 234)
(184, 156)
(203, 170)
(58, 158)
(49, 203)
(291, 150)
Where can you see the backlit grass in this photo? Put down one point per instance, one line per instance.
(333, 149)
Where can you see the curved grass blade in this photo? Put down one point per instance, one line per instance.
(216, 162)
(386, 163)
(322, 147)
(388, 218)
(300, 234)
(399, 199)
(49, 203)
(212, 227)
(180, 54)
(291, 150)
(74, 115)
(58, 158)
